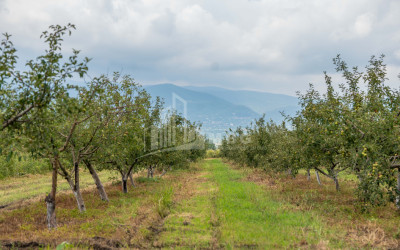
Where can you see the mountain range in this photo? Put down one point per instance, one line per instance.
(219, 109)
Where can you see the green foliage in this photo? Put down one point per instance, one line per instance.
(106, 122)
(21, 165)
(350, 129)
(210, 153)
(210, 144)
(24, 93)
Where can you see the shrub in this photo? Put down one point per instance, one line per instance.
(21, 165)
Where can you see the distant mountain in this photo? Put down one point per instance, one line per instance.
(216, 114)
(261, 102)
(219, 109)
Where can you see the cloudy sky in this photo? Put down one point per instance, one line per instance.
(276, 46)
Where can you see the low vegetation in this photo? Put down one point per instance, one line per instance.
(14, 165)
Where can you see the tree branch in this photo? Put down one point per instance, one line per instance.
(16, 117)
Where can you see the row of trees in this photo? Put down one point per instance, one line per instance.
(105, 123)
(355, 128)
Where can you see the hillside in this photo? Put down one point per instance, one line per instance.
(261, 102)
(216, 114)
(219, 109)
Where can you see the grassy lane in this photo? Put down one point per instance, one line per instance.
(192, 221)
(230, 212)
(248, 217)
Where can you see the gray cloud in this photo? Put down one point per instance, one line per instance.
(277, 46)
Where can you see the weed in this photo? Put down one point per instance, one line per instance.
(64, 245)
(164, 201)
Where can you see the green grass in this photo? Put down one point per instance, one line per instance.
(19, 188)
(228, 212)
(249, 217)
(143, 179)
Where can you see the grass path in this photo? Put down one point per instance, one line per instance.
(193, 221)
(229, 212)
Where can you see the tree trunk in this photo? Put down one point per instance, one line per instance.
(78, 195)
(51, 212)
(398, 189)
(79, 200)
(99, 185)
(335, 179)
(77, 191)
(318, 179)
(74, 185)
(124, 184)
(164, 172)
(150, 172)
(308, 174)
(51, 198)
(131, 179)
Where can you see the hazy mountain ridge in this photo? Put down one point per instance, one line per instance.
(219, 109)
(261, 102)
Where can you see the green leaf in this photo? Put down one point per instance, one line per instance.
(9, 156)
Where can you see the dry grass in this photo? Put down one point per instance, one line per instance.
(371, 235)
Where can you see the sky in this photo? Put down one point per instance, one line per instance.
(277, 46)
